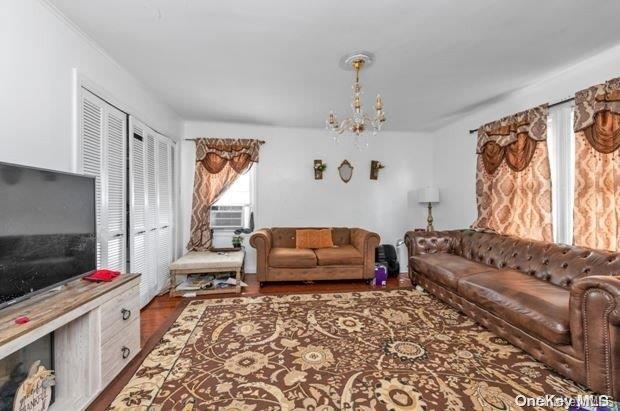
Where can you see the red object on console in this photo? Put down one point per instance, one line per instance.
(22, 320)
(102, 275)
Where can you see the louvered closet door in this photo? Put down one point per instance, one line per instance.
(103, 137)
(151, 215)
(173, 204)
(91, 130)
(151, 211)
(164, 213)
(137, 204)
(116, 127)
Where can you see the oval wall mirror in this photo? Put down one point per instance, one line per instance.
(346, 171)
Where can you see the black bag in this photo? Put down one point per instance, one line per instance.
(386, 254)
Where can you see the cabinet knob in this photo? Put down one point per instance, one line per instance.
(125, 352)
(125, 313)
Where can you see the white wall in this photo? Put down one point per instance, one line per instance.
(40, 51)
(288, 195)
(455, 158)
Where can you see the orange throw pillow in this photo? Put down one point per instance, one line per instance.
(314, 238)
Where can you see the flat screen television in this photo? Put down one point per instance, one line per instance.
(47, 230)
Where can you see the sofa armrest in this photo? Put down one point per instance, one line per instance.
(261, 240)
(595, 330)
(366, 242)
(429, 242)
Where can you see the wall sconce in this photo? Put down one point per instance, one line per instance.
(319, 167)
(375, 166)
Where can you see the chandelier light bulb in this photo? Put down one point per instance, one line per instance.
(357, 104)
(379, 103)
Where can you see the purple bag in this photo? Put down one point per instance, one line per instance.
(381, 275)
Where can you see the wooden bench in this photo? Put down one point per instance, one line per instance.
(204, 262)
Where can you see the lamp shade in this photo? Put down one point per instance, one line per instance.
(428, 195)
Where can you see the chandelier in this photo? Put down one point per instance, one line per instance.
(359, 122)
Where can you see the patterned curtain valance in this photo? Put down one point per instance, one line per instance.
(597, 115)
(512, 138)
(215, 153)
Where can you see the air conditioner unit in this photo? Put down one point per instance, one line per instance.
(230, 217)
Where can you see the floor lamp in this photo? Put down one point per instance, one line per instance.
(429, 195)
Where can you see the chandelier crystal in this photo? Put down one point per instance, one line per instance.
(359, 122)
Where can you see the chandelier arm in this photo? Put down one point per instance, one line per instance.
(345, 124)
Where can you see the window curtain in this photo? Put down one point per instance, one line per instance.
(219, 161)
(596, 222)
(513, 179)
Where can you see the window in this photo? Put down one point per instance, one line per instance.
(561, 145)
(233, 209)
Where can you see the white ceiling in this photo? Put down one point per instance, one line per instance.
(276, 61)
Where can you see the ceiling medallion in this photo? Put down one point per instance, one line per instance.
(359, 122)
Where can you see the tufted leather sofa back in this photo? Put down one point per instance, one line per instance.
(433, 242)
(558, 264)
(285, 236)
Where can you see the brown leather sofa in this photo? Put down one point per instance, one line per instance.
(559, 303)
(277, 259)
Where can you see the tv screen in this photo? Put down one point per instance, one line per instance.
(47, 230)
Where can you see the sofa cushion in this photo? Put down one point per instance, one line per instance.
(522, 300)
(283, 257)
(286, 236)
(341, 235)
(313, 238)
(283, 237)
(446, 269)
(343, 255)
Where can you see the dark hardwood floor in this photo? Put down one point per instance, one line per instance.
(159, 314)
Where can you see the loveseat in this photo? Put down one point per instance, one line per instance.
(278, 259)
(559, 303)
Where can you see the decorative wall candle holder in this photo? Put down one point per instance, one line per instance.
(319, 168)
(375, 166)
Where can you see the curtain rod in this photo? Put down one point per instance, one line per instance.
(557, 103)
(194, 139)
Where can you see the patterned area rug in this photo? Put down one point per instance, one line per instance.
(396, 350)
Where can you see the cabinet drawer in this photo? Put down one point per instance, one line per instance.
(117, 351)
(118, 312)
